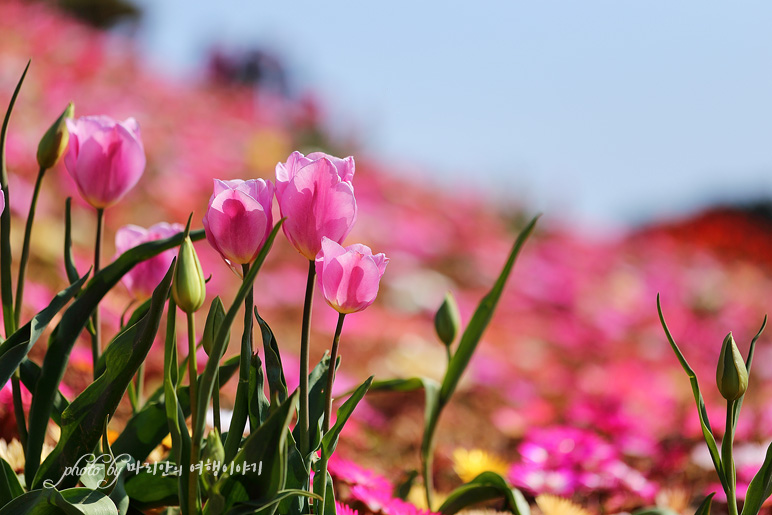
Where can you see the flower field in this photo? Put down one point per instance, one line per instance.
(573, 391)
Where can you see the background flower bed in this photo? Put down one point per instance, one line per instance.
(574, 387)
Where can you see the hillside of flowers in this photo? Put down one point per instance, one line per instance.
(573, 391)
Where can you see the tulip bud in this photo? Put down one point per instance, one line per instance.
(54, 142)
(214, 321)
(447, 321)
(189, 286)
(731, 375)
(214, 452)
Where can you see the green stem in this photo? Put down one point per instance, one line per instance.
(18, 408)
(241, 404)
(96, 337)
(328, 406)
(728, 460)
(25, 247)
(305, 338)
(140, 383)
(331, 374)
(195, 445)
(216, 402)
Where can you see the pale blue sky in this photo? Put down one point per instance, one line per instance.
(598, 110)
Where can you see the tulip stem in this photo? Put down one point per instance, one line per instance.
(331, 374)
(728, 459)
(216, 401)
(241, 404)
(328, 406)
(96, 337)
(25, 247)
(195, 444)
(305, 338)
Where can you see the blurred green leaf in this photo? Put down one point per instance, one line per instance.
(10, 488)
(30, 374)
(250, 507)
(707, 432)
(257, 402)
(485, 487)
(49, 501)
(704, 508)
(147, 490)
(83, 419)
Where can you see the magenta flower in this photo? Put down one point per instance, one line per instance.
(349, 277)
(316, 196)
(105, 157)
(144, 277)
(239, 219)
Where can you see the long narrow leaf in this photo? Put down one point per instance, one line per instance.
(479, 321)
(83, 419)
(485, 487)
(760, 487)
(748, 363)
(274, 371)
(707, 432)
(66, 334)
(30, 374)
(6, 287)
(10, 488)
(704, 508)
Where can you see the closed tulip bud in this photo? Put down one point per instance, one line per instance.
(189, 286)
(214, 321)
(447, 321)
(54, 142)
(731, 375)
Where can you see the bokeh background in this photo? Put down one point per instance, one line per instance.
(640, 130)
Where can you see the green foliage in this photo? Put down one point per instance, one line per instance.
(485, 487)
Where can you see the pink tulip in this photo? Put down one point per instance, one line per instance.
(349, 277)
(105, 157)
(316, 196)
(239, 219)
(144, 277)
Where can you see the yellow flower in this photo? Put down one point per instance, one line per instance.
(468, 464)
(553, 505)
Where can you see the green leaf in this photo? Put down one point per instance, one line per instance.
(257, 402)
(49, 501)
(69, 259)
(267, 449)
(655, 511)
(147, 428)
(317, 381)
(704, 508)
(213, 452)
(15, 349)
(10, 488)
(760, 487)
(6, 256)
(485, 487)
(30, 374)
(707, 432)
(218, 348)
(83, 419)
(479, 321)
(274, 371)
(66, 334)
(297, 477)
(330, 439)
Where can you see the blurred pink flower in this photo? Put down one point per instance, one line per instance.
(349, 277)
(239, 219)
(316, 196)
(144, 277)
(105, 158)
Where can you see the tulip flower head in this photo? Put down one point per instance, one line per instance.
(105, 158)
(349, 277)
(316, 196)
(144, 277)
(731, 374)
(239, 219)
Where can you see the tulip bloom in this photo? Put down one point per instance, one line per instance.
(145, 276)
(349, 277)
(105, 158)
(316, 196)
(239, 219)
